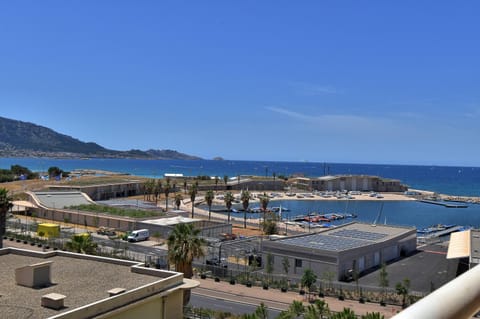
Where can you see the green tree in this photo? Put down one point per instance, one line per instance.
(373, 315)
(269, 227)
(166, 190)
(402, 288)
(209, 199)
(245, 198)
(178, 200)
(82, 243)
(308, 280)
(216, 182)
(193, 194)
(54, 171)
(5, 205)
(228, 203)
(383, 279)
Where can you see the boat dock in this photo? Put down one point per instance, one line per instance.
(441, 233)
(448, 205)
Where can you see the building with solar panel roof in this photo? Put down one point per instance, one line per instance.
(343, 250)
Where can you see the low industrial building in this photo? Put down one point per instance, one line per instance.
(67, 285)
(164, 226)
(105, 191)
(349, 183)
(341, 251)
(55, 206)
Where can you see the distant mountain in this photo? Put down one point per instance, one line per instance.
(22, 139)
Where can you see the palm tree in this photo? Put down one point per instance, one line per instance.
(157, 190)
(82, 243)
(216, 182)
(264, 200)
(149, 187)
(225, 180)
(178, 200)
(347, 313)
(166, 190)
(209, 199)
(308, 279)
(228, 203)
(402, 289)
(184, 245)
(5, 205)
(245, 198)
(383, 280)
(193, 194)
(373, 315)
(262, 311)
(296, 308)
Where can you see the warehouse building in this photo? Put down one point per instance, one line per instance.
(349, 183)
(343, 250)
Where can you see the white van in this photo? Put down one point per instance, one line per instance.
(139, 235)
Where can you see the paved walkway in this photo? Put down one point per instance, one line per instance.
(275, 298)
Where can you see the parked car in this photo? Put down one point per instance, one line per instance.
(216, 262)
(106, 231)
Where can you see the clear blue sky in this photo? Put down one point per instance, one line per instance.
(336, 81)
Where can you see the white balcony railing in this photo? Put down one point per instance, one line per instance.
(458, 299)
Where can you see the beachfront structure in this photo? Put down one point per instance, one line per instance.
(342, 251)
(67, 285)
(349, 183)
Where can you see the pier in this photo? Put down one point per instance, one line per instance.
(441, 233)
(448, 205)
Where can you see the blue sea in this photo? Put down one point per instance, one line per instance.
(442, 179)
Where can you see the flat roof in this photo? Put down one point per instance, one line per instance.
(346, 237)
(459, 245)
(333, 177)
(82, 279)
(61, 199)
(170, 221)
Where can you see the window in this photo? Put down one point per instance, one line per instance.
(298, 263)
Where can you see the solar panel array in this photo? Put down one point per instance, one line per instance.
(341, 240)
(358, 234)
